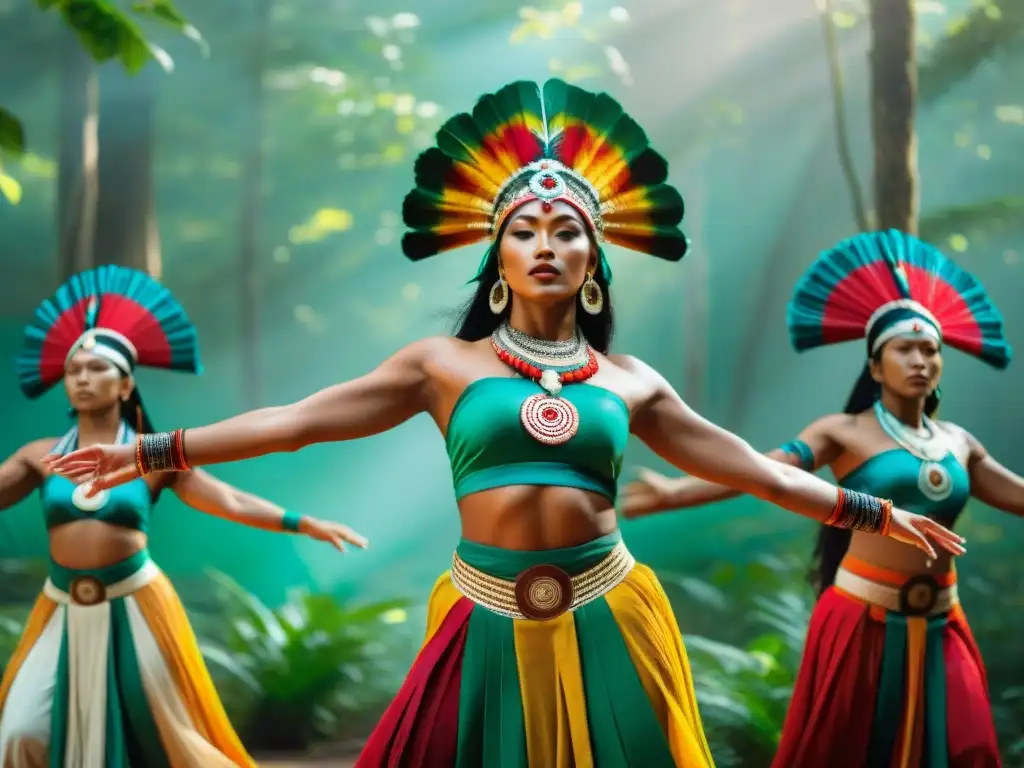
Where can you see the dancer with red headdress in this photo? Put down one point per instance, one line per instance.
(891, 676)
(108, 671)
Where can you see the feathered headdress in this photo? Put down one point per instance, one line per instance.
(121, 314)
(881, 285)
(526, 143)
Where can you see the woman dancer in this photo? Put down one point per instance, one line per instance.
(891, 675)
(547, 645)
(108, 672)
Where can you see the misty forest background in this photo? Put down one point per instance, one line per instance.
(253, 155)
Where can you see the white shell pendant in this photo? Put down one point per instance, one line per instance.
(934, 481)
(551, 382)
(89, 503)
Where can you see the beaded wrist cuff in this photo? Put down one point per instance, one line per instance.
(161, 452)
(861, 512)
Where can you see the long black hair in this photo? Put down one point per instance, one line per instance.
(475, 321)
(832, 543)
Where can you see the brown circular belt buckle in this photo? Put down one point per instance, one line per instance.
(87, 590)
(543, 592)
(919, 595)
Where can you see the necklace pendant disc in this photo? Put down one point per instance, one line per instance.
(549, 420)
(88, 503)
(934, 481)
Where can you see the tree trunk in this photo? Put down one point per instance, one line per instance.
(105, 195)
(126, 225)
(78, 182)
(252, 203)
(893, 105)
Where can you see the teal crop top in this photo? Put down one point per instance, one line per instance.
(489, 447)
(127, 505)
(938, 489)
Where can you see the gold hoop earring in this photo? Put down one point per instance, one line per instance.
(591, 296)
(498, 299)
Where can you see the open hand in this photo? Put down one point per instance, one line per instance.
(102, 466)
(334, 533)
(920, 531)
(651, 492)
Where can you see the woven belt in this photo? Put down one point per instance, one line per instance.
(543, 591)
(87, 590)
(920, 595)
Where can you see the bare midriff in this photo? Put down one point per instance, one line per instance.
(533, 518)
(91, 544)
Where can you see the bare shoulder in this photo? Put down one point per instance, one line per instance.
(31, 454)
(834, 425)
(636, 367)
(959, 434)
(37, 449)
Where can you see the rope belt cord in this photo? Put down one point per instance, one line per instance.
(544, 591)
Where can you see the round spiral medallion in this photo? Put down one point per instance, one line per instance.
(549, 420)
(934, 481)
(919, 595)
(543, 592)
(87, 590)
(89, 503)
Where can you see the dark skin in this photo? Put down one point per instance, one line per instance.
(95, 389)
(428, 376)
(909, 370)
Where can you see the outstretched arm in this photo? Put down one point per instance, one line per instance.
(698, 447)
(206, 493)
(19, 475)
(992, 483)
(654, 492)
(393, 393)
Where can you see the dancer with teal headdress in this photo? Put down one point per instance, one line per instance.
(108, 672)
(891, 675)
(547, 644)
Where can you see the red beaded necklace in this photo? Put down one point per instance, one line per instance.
(547, 418)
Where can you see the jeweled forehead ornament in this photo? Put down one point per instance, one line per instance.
(547, 180)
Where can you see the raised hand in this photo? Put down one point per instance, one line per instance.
(651, 492)
(920, 531)
(102, 466)
(333, 533)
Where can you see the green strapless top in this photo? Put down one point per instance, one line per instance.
(937, 489)
(489, 447)
(127, 505)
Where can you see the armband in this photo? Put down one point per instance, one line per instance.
(861, 512)
(161, 452)
(290, 521)
(802, 451)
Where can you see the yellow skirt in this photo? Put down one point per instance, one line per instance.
(606, 684)
(108, 672)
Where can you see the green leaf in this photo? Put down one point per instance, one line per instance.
(1001, 214)
(10, 188)
(988, 29)
(12, 135)
(166, 12)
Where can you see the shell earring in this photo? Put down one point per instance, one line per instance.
(498, 299)
(591, 296)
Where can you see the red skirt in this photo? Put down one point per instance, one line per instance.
(842, 685)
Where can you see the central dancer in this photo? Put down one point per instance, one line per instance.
(547, 645)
